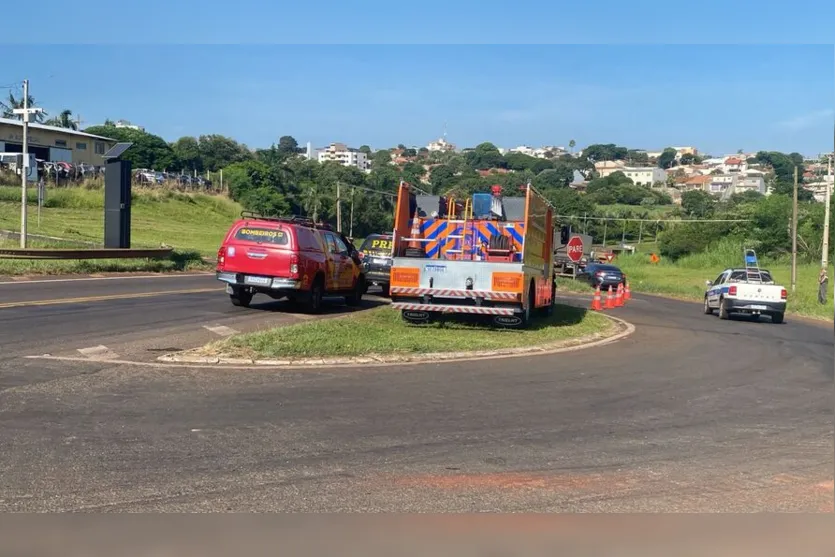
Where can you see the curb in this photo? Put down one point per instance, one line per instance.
(590, 341)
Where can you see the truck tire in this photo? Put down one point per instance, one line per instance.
(723, 310)
(708, 309)
(385, 288)
(241, 298)
(499, 242)
(776, 318)
(317, 292)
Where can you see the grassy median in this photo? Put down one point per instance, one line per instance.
(382, 331)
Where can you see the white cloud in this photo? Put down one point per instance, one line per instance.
(807, 120)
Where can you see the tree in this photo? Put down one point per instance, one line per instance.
(257, 187)
(187, 152)
(698, 204)
(553, 178)
(288, 146)
(148, 150)
(442, 177)
(667, 159)
(485, 156)
(605, 152)
(690, 158)
(12, 103)
(219, 151)
(365, 149)
(572, 144)
(639, 157)
(63, 120)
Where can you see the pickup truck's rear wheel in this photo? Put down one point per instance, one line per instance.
(355, 297)
(241, 298)
(777, 318)
(317, 292)
(723, 309)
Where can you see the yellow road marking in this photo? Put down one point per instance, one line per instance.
(61, 301)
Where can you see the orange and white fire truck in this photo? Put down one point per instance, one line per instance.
(486, 255)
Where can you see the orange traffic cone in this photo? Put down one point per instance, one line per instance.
(610, 299)
(627, 295)
(619, 296)
(596, 304)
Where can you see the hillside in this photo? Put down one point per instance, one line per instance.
(182, 220)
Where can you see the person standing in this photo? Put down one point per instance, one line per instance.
(823, 280)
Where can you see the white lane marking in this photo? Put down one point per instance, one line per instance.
(99, 352)
(45, 281)
(221, 330)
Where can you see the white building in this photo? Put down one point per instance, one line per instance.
(344, 155)
(750, 183)
(128, 125)
(645, 175)
(441, 144)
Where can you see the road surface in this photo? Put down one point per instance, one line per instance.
(689, 414)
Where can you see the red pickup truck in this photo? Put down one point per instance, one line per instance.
(288, 257)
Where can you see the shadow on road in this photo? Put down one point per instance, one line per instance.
(563, 316)
(334, 305)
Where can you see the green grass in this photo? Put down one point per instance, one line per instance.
(383, 332)
(179, 261)
(686, 278)
(188, 222)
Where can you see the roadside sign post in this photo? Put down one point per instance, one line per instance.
(574, 251)
(41, 198)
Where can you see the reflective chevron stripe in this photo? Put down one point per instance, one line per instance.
(441, 308)
(442, 292)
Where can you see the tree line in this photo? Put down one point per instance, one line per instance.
(276, 180)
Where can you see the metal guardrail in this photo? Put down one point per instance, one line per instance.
(100, 253)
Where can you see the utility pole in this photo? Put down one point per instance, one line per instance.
(825, 243)
(24, 171)
(794, 233)
(25, 112)
(351, 226)
(338, 209)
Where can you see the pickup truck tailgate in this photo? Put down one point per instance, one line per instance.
(760, 292)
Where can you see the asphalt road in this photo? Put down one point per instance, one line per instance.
(689, 414)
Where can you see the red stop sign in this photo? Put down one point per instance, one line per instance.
(574, 249)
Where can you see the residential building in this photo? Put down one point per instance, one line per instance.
(441, 144)
(692, 183)
(128, 125)
(750, 183)
(606, 168)
(734, 164)
(53, 143)
(818, 187)
(344, 155)
(645, 175)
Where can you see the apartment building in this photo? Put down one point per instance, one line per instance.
(344, 155)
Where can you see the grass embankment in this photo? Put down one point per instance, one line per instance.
(686, 278)
(383, 332)
(194, 224)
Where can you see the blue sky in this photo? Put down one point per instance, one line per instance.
(718, 98)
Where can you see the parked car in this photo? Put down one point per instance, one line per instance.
(288, 258)
(603, 275)
(375, 254)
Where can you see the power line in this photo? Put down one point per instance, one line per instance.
(582, 217)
